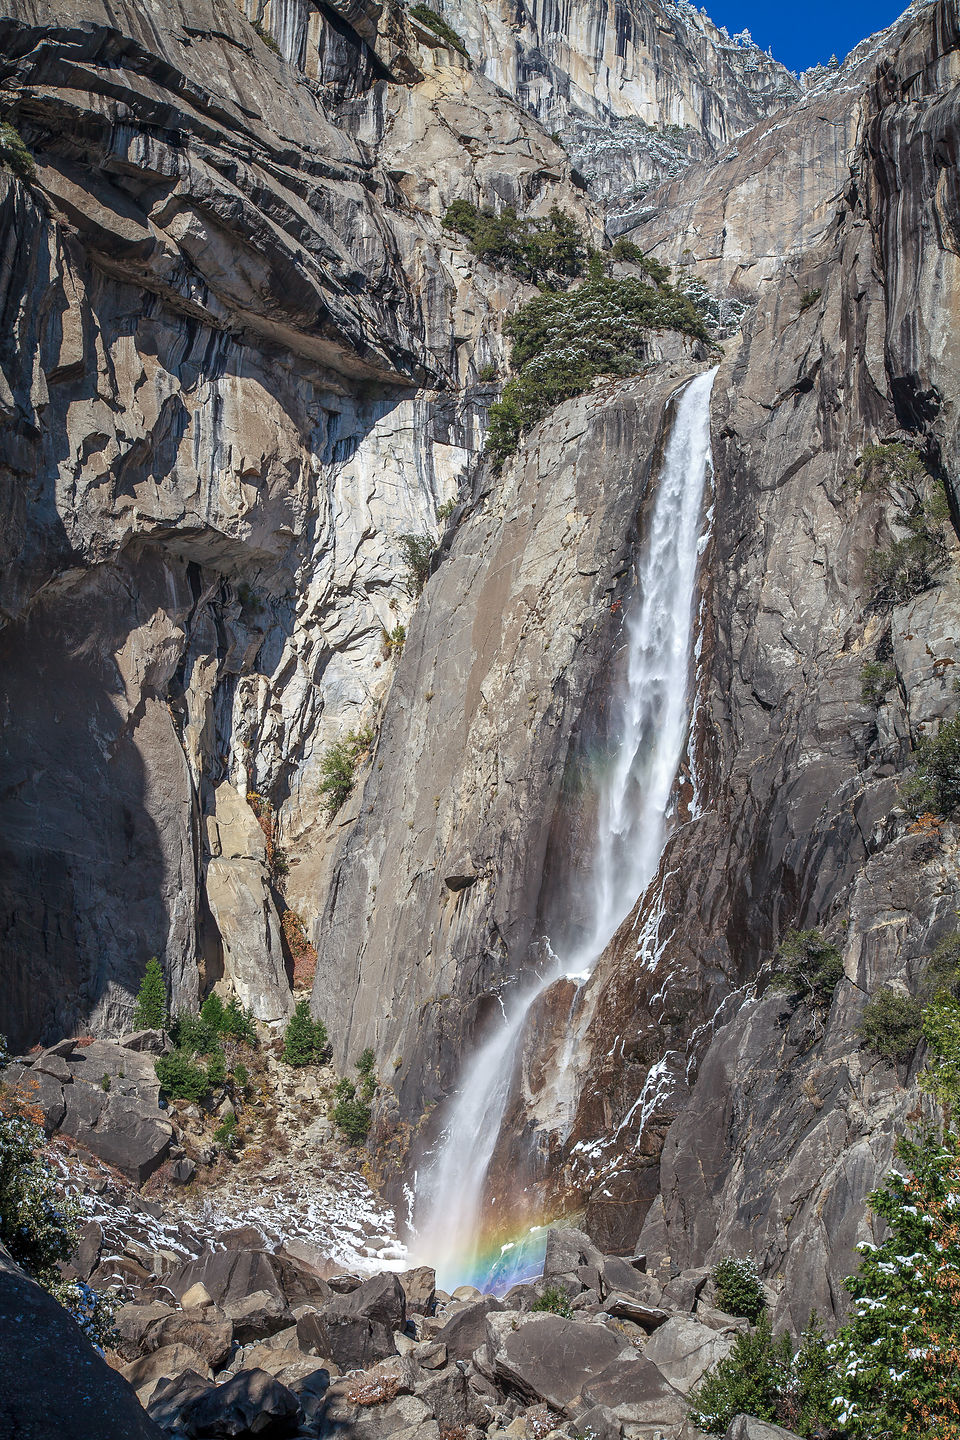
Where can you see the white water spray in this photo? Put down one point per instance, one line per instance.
(652, 715)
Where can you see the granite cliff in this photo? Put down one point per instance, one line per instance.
(243, 358)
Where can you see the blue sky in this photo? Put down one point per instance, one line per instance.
(805, 32)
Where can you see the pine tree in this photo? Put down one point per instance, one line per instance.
(896, 1357)
(150, 1011)
(305, 1040)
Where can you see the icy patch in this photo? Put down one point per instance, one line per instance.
(337, 1212)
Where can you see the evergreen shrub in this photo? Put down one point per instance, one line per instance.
(562, 342)
(150, 1011)
(808, 966)
(305, 1040)
(738, 1288)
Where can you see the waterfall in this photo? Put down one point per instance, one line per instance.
(651, 707)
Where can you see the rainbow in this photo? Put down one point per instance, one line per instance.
(494, 1265)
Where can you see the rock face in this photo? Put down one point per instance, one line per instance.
(223, 311)
(635, 87)
(799, 822)
(796, 820)
(484, 705)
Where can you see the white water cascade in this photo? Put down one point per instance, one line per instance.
(652, 707)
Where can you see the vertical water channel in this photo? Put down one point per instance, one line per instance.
(652, 709)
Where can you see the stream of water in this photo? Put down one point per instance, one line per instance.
(652, 709)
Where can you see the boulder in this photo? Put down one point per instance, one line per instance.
(431, 1354)
(633, 1307)
(380, 1299)
(599, 1422)
(622, 1277)
(419, 1288)
(309, 1258)
(122, 1130)
(567, 1250)
(466, 1330)
(275, 1353)
(197, 1297)
(683, 1292)
(449, 1398)
(744, 1427)
(309, 1382)
(40, 1089)
(165, 1363)
(153, 1042)
(50, 1063)
(182, 1171)
(301, 1283)
(86, 1257)
(54, 1383)
(352, 1342)
(718, 1319)
(635, 1390)
(242, 1237)
(171, 1395)
(257, 1315)
(252, 1403)
(230, 1277)
(208, 1332)
(343, 1283)
(132, 1323)
(547, 1357)
(683, 1351)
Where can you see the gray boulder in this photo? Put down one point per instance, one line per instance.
(209, 1332)
(170, 1396)
(419, 1288)
(381, 1299)
(466, 1330)
(228, 1276)
(153, 1042)
(683, 1292)
(352, 1342)
(599, 1422)
(164, 1363)
(120, 1129)
(635, 1390)
(55, 1385)
(257, 1315)
(546, 1357)
(251, 1403)
(684, 1351)
(568, 1250)
(621, 1276)
(449, 1398)
(635, 1308)
(132, 1323)
(744, 1427)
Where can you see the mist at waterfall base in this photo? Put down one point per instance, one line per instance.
(471, 1237)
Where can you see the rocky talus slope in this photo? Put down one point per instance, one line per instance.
(245, 1339)
(242, 359)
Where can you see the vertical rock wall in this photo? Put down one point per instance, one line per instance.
(228, 324)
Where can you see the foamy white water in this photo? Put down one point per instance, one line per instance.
(653, 710)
